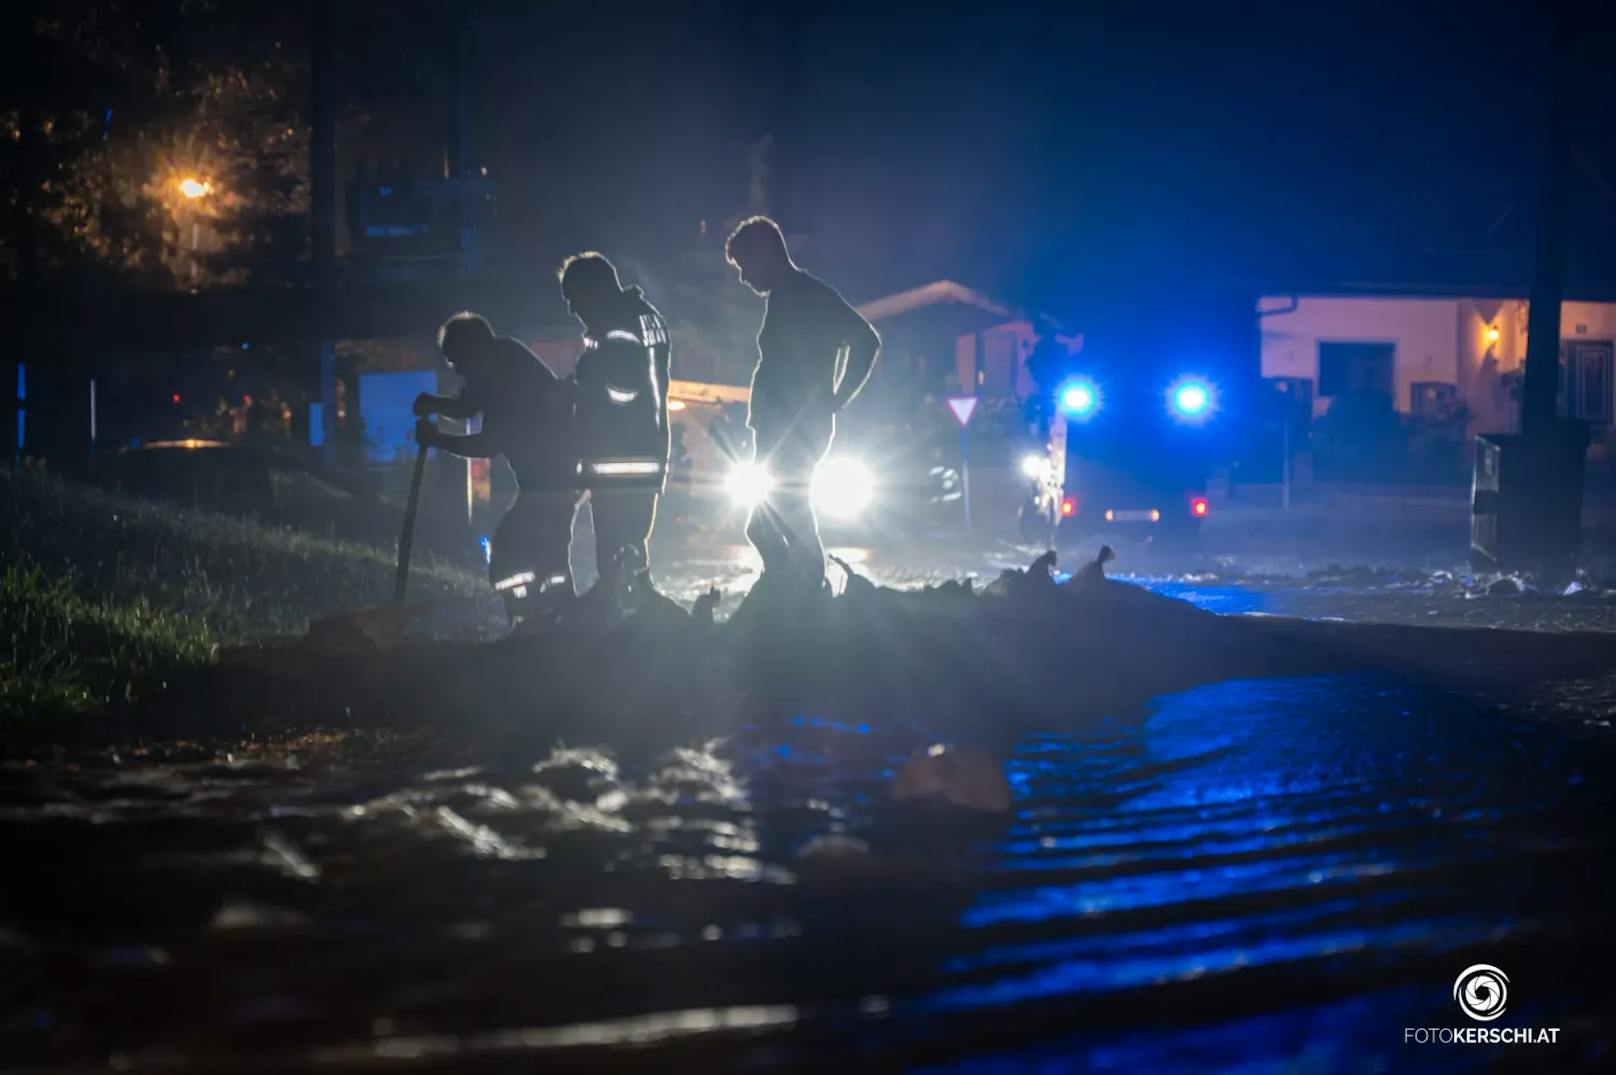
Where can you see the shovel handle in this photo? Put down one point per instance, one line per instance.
(406, 539)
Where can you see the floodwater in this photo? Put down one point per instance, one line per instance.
(1262, 875)
(1443, 593)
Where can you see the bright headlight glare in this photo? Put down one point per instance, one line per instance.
(1034, 466)
(842, 488)
(748, 484)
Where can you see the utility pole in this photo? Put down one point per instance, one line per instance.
(1526, 506)
(457, 133)
(1285, 450)
(322, 142)
(323, 201)
(457, 169)
(1538, 393)
(27, 76)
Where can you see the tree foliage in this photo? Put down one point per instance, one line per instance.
(118, 103)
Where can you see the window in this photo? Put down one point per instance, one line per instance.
(1351, 366)
(1432, 399)
(996, 376)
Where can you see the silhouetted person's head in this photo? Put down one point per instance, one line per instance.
(758, 250)
(589, 284)
(467, 341)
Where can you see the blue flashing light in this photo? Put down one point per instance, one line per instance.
(1191, 399)
(1079, 399)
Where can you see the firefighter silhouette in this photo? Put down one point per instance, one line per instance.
(621, 411)
(526, 417)
(814, 355)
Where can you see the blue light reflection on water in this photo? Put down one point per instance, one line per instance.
(1213, 598)
(1287, 821)
(1109, 970)
(1358, 1034)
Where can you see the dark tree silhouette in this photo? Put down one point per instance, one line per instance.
(111, 106)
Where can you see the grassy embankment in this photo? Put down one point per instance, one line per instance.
(101, 595)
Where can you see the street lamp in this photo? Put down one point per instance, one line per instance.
(194, 189)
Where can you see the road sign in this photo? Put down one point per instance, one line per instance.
(962, 407)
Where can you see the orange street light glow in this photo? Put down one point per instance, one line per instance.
(195, 188)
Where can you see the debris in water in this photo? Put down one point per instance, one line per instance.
(245, 915)
(1094, 571)
(956, 775)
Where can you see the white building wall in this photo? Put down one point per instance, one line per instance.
(1447, 340)
(1587, 320)
(1424, 332)
(1483, 361)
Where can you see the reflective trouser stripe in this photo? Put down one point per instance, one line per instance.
(631, 467)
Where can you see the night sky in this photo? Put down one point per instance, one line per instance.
(1030, 149)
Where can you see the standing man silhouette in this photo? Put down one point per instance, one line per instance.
(621, 412)
(814, 355)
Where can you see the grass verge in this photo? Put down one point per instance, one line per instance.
(103, 595)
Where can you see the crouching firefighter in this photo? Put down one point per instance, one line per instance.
(621, 413)
(526, 417)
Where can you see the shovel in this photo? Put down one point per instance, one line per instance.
(406, 540)
(379, 627)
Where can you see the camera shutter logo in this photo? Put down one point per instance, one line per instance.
(1481, 991)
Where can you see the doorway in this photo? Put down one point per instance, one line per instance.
(1351, 366)
(1585, 381)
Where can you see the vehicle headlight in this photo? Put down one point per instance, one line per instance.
(748, 484)
(842, 488)
(1034, 466)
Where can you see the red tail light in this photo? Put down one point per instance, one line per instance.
(1199, 506)
(1068, 506)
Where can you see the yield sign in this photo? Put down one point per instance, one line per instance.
(963, 407)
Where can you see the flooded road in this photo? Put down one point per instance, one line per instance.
(1270, 875)
(1442, 593)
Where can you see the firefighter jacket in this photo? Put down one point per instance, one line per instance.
(622, 400)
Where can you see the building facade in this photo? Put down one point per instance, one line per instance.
(1429, 355)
